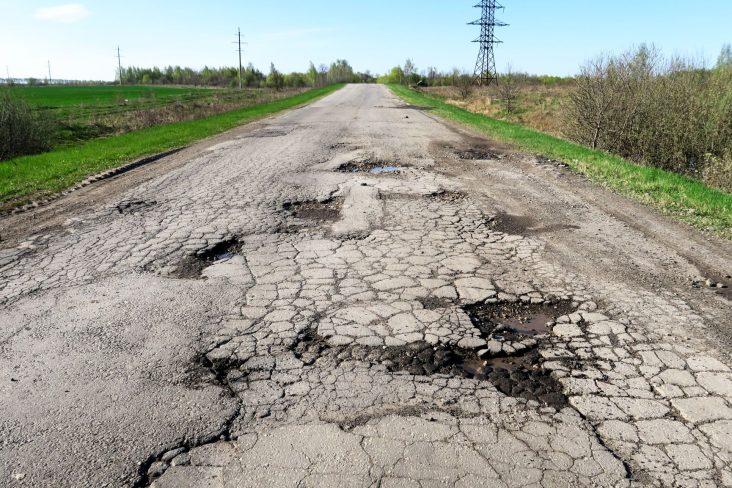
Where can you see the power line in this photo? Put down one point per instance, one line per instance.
(485, 67)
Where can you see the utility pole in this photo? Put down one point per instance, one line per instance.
(241, 81)
(7, 72)
(119, 64)
(485, 67)
(49, 73)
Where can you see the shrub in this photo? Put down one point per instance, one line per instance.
(668, 113)
(22, 130)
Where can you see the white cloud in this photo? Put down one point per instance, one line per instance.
(72, 12)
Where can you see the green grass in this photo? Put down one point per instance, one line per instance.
(683, 198)
(30, 177)
(53, 97)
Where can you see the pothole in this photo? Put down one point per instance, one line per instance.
(129, 206)
(435, 303)
(516, 320)
(553, 162)
(510, 362)
(192, 266)
(447, 196)
(523, 225)
(476, 154)
(319, 212)
(368, 166)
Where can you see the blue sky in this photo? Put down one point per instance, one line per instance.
(545, 36)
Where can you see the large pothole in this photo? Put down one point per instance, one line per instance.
(316, 211)
(130, 206)
(369, 166)
(523, 225)
(192, 266)
(510, 362)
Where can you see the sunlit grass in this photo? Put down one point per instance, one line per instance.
(30, 177)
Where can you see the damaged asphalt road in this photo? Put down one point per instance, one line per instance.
(343, 296)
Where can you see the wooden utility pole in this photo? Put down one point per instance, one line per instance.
(119, 64)
(49, 72)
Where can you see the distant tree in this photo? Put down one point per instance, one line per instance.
(275, 79)
(725, 57)
(312, 75)
(409, 70)
(340, 72)
(432, 75)
(396, 75)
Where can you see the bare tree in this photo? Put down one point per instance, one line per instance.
(464, 84)
(509, 89)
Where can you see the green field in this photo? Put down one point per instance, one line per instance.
(32, 177)
(681, 197)
(56, 97)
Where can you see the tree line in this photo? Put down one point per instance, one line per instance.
(339, 71)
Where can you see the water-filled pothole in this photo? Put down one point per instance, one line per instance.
(192, 266)
(375, 167)
(324, 211)
(518, 319)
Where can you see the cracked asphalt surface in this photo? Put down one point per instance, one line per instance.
(290, 305)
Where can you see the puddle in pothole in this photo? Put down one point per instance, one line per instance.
(325, 211)
(511, 321)
(375, 167)
(192, 266)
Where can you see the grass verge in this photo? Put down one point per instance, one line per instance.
(683, 198)
(29, 177)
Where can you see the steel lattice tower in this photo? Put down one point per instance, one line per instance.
(485, 67)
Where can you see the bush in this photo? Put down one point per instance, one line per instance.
(22, 130)
(669, 113)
